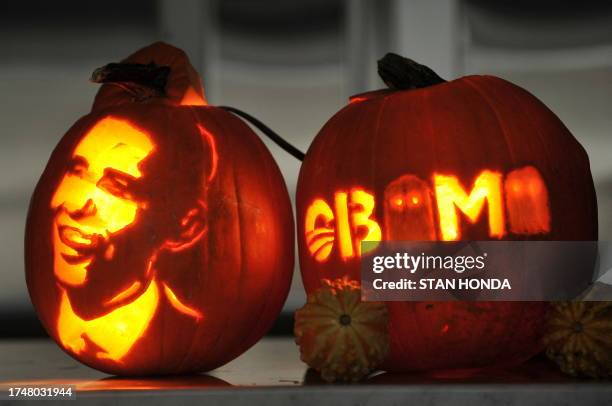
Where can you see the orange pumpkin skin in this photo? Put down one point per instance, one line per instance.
(455, 128)
(204, 267)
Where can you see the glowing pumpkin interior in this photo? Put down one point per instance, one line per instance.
(516, 204)
(97, 198)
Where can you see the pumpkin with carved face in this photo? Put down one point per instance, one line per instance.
(477, 158)
(159, 238)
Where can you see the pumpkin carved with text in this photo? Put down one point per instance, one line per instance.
(476, 158)
(159, 238)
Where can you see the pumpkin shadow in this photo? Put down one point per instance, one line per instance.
(313, 378)
(118, 383)
(539, 369)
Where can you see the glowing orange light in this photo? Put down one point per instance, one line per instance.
(110, 252)
(94, 201)
(357, 99)
(114, 333)
(134, 287)
(192, 98)
(413, 221)
(180, 306)
(450, 196)
(362, 205)
(318, 229)
(409, 211)
(349, 226)
(214, 156)
(343, 227)
(108, 154)
(527, 202)
(194, 230)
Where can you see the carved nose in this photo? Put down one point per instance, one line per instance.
(88, 209)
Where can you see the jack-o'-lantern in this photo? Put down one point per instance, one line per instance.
(476, 158)
(159, 238)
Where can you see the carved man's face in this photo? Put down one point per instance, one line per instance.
(96, 202)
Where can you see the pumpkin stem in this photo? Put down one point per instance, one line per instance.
(277, 139)
(150, 79)
(401, 73)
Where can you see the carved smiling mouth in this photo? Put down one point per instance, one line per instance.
(82, 245)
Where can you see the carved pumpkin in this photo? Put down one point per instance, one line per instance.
(159, 238)
(476, 158)
(341, 337)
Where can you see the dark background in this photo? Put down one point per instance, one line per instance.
(290, 63)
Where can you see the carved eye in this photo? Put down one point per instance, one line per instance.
(78, 166)
(117, 183)
(397, 202)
